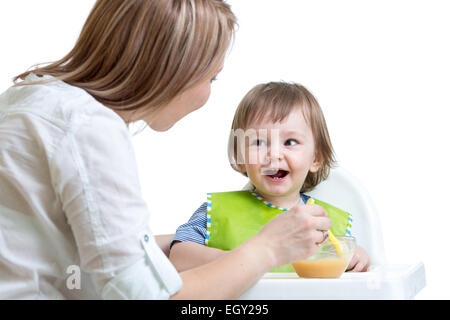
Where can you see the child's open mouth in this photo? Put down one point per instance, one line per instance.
(279, 176)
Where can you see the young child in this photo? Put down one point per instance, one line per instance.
(280, 141)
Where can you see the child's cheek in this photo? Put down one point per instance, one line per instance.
(254, 156)
(298, 163)
(252, 171)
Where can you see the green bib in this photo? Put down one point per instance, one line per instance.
(234, 217)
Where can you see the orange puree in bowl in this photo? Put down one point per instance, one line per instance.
(331, 267)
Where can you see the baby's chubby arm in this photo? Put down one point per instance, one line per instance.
(188, 250)
(360, 261)
(188, 255)
(163, 241)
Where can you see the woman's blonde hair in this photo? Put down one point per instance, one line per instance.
(277, 100)
(137, 55)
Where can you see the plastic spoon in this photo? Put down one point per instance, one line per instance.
(334, 241)
(269, 171)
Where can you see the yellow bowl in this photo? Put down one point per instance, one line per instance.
(327, 263)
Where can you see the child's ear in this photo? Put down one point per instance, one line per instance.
(315, 166)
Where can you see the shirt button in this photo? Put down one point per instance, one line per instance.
(146, 238)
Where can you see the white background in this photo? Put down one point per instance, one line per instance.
(380, 70)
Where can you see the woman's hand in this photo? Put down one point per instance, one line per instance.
(360, 261)
(291, 236)
(295, 234)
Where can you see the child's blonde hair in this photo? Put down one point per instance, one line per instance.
(277, 100)
(137, 55)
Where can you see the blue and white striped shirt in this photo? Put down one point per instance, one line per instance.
(194, 230)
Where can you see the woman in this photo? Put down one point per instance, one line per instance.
(70, 192)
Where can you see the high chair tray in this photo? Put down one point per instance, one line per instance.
(380, 282)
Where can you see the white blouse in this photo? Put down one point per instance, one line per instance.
(73, 223)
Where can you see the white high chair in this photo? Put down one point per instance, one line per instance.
(382, 281)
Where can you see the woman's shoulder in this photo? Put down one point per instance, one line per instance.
(54, 101)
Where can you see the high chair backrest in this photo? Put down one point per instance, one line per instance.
(344, 191)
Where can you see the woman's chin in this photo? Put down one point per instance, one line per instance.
(160, 127)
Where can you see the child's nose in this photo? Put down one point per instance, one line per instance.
(274, 154)
(278, 156)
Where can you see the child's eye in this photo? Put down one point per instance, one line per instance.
(258, 143)
(214, 79)
(291, 142)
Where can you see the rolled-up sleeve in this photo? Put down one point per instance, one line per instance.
(153, 272)
(94, 173)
